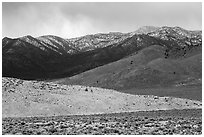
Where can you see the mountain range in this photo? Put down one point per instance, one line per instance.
(50, 57)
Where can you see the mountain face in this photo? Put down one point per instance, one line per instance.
(29, 57)
(49, 57)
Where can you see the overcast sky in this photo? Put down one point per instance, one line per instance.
(76, 19)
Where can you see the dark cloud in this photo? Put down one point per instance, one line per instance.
(76, 19)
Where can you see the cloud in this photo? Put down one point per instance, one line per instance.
(77, 19)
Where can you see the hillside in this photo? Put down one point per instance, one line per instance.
(31, 98)
(148, 69)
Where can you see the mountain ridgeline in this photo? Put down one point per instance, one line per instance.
(149, 53)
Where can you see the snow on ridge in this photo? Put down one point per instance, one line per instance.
(56, 41)
(48, 41)
(32, 42)
(61, 44)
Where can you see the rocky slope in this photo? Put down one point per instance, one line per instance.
(49, 57)
(31, 98)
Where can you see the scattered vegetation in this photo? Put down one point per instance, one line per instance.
(171, 122)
